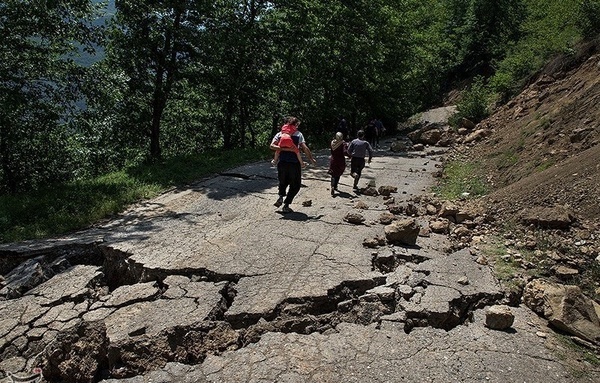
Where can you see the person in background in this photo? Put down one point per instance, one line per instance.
(357, 151)
(337, 160)
(371, 132)
(380, 130)
(343, 127)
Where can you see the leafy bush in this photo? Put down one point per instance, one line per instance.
(474, 103)
(588, 18)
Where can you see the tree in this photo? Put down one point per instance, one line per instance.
(481, 30)
(39, 87)
(154, 43)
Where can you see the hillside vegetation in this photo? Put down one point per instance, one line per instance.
(181, 80)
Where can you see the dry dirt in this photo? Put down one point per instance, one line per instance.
(543, 152)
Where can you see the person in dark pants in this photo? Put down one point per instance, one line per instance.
(337, 160)
(289, 170)
(357, 151)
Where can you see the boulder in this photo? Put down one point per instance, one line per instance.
(354, 218)
(402, 232)
(431, 137)
(387, 190)
(499, 317)
(386, 218)
(441, 226)
(448, 210)
(556, 217)
(398, 146)
(566, 308)
(477, 135)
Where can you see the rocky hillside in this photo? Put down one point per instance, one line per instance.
(540, 156)
(543, 148)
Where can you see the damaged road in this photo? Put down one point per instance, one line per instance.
(212, 284)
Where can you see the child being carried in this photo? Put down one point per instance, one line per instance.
(287, 130)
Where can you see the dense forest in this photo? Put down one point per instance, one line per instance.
(88, 88)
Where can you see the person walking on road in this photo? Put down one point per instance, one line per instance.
(289, 170)
(337, 160)
(286, 139)
(357, 151)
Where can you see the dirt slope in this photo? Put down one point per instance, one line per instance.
(544, 147)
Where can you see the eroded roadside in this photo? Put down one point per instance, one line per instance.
(212, 284)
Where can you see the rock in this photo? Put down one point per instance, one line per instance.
(477, 135)
(464, 215)
(557, 217)
(395, 209)
(411, 210)
(463, 281)
(398, 146)
(431, 137)
(465, 123)
(370, 191)
(566, 307)
(387, 190)
(307, 203)
(361, 205)
(386, 218)
(371, 243)
(403, 232)
(461, 231)
(499, 317)
(418, 147)
(354, 218)
(441, 226)
(482, 260)
(389, 201)
(448, 210)
(431, 209)
(564, 272)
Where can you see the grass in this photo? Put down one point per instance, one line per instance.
(72, 206)
(461, 177)
(582, 353)
(507, 160)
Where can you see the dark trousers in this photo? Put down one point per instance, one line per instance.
(357, 164)
(289, 174)
(334, 182)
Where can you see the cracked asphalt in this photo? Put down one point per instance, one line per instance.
(212, 283)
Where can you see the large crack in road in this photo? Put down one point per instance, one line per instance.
(210, 284)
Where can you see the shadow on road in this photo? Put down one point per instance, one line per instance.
(298, 216)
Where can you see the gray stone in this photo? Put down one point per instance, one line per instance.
(499, 317)
(403, 231)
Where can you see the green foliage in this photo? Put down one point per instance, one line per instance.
(481, 31)
(182, 78)
(75, 205)
(474, 102)
(548, 29)
(588, 17)
(39, 88)
(461, 177)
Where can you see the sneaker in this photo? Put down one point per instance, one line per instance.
(278, 202)
(353, 175)
(286, 209)
(332, 191)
